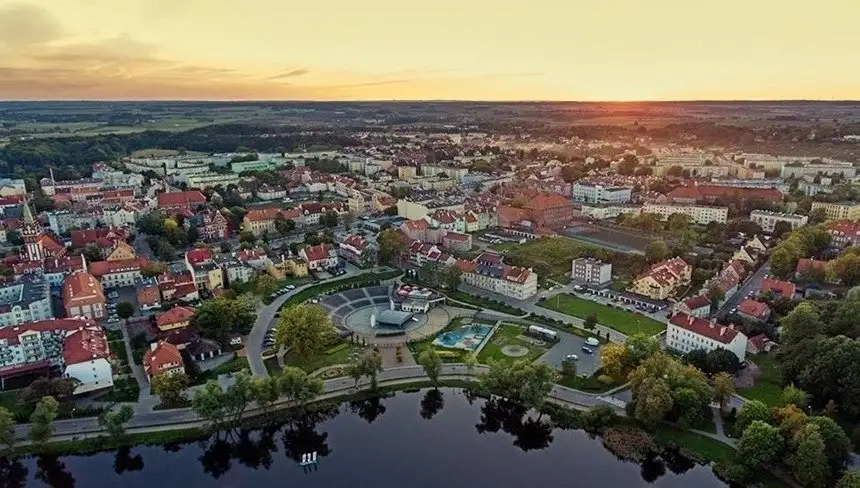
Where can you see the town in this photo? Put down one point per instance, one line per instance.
(687, 282)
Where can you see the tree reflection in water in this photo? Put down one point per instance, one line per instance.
(13, 474)
(369, 408)
(432, 403)
(500, 414)
(51, 471)
(125, 462)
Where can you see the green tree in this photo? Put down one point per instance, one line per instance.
(470, 362)
(652, 401)
(792, 395)
(724, 388)
(851, 479)
(450, 277)
(304, 330)
(809, 462)
(847, 268)
(656, 251)
(220, 317)
(42, 419)
(432, 364)
(392, 244)
(208, 405)
(299, 386)
(614, 359)
(170, 388)
(265, 391)
(751, 411)
(837, 445)
(640, 347)
(590, 322)
(722, 360)
(114, 422)
(761, 444)
(568, 367)
(7, 428)
(265, 285)
(781, 228)
(370, 365)
(783, 262)
(716, 294)
(520, 381)
(124, 309)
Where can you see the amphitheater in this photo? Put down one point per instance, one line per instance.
(351, 310)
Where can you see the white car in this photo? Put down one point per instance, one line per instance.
(572, 356)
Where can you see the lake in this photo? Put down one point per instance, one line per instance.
(415, 440)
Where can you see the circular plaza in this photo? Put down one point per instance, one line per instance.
(379, 314)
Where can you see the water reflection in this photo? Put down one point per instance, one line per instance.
(228, 458)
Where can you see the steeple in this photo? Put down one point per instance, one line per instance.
(28, 214)
(31, 233)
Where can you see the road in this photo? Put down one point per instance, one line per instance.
(571, 344)
(751, 284)
(164, 419)
(266, 315)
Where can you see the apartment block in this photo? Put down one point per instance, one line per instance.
(768, 220)
(591, 271)
(699, 214)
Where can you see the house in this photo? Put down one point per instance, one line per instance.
(357, 250)
(844, 233)
(697, 306)
(234, 271)
(686, 333)
(106, 238)
(176, 318)
(281, 266)
(86, 358)
(805, 265)
(311, 212)
(213, 226)
(113, 274)
(754, 310)
(759, 343)
(591, 271)
(488, 272)
(207, 275)
(180, 201)
(83, 296)
(320, 256)
(148, 294)
(784, 288)
(163, 358)
(456, 241)
(662, 279)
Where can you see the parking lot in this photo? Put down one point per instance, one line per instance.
(571, 344)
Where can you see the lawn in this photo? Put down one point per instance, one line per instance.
(509, 335)
(9, 400)
(703, 447)
(338, 353)
(238, 363)
(620, 320)
(585, 383)
(768, 386)
(483, 302)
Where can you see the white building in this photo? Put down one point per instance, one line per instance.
(120, 216)
(768, 220)
(686, 333)
(591, 271)
(205, 180)
(26, 299)
(487, 272)
(599, 194)
(798, 170)
(699, 214)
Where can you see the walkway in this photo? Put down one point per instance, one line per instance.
(145, 401)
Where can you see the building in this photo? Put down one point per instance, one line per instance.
(591, 271)
(760, 343)
(799, 170)
(117, 273)
(699, 214)
(120, 216)
(805, 265)
(456, 241)
(163, 358)
(844, 233)
(212, 225)
(549, 210)
(357, 250)
(754, 310)
(206, 180)
(319, 257)
(768, 220)
(838, 211)
(600, 195)
(176, 318)
(710, 193)
(147, 293)
(26, 299)
(207, 275)
(77, 347)
(783, 288)
(697, 306)
(180, 200)
(686, 333)
(234, 271)
(83, 296)
(11, 187)
(489, 273)
(662, 279)
(37, 244)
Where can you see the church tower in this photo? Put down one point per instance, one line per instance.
(31, 233)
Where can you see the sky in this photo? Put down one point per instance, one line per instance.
(420, 50)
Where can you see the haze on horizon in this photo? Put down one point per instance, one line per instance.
(455, 50)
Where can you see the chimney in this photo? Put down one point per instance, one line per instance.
(690, 320)
(712, 323)
(722, 331)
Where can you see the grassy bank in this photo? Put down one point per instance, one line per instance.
(768, 386)
(621, 320)
(367, 279)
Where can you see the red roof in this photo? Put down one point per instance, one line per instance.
(784, 288)
(179, 199)
(543, 201)
(102, 268)
(103, 236)
(846, 229)
(262, 214)
(697, 301)
(199, 255)
(804, 264)
(174, 316)
(356, 242)
(419, 224)
(317, 253)
(11, 334)
(754, 308)
(457, 236)
(702, 327)
(164, 354)
(710, 192)
(82, 288)
(85, 344)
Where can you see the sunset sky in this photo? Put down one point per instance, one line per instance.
(443, 49)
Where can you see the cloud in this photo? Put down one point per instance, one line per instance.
(24, 24)
(290, 74)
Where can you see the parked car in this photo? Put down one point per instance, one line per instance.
(592, 341)
(587, 350)
(572, 356)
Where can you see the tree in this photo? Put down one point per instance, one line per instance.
(124, 309)
(7, 427)
(470, 362)
(837, 445)
(783, 262)
(656, 251)
(370, 364)
(640, 347)
(450, 277)
(590, 322)
(42, 387)
(170, 388)
(114, 422)
(432, 364)
(265, 285)
(614, 358)
(724, 388)
(652, 401)
(698, 358)
(850, 479)
(304, 330)
(722, 360)
(392, 244)
(809, 462)
(42, 419)
(792, 395)
(847, 268)
(568, 367)
(751, 411)
(781, 228)
(220, 317)
(761, 444)
(299, 386)
(520, 381)
(153, 268)
(265, 391)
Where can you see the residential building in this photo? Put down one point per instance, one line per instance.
(456, 241)
(148, 295)
(754, 310)
(591, 271)
(786, 289)
(760, 343)
(78, 347)
(662, 279)
(710, 193)
(699, 214)
(798, 170)
(838, 211)
(357, 250)
(844, 233)
(697, 306)
(163, 358)
(600, 194)
(319, 257)
(805, 264)
(83, 296)
(281, 266)
(26, 299)
(11, 187)
(488, 272)
(234, 271)
(206, 180)
(311, 212)
(549, 210)
(180, 200)
(212, 225)
(120, 215)
(207, 275)
(686, 333)
(175, 318)
(768, 220)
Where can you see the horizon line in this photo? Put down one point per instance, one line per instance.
(423, 100)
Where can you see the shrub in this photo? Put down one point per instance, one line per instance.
(598, 418)
(605, 379)
(629, 443)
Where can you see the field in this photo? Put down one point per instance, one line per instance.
(338, 353)
(768, 386)
(509, 335)
(620, 320)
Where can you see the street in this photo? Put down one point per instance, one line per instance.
(752, 284)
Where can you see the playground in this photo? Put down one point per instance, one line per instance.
(467, 337)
